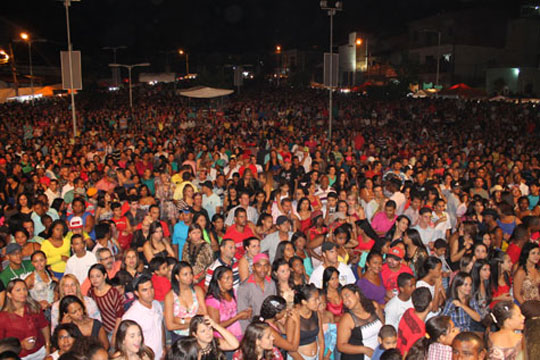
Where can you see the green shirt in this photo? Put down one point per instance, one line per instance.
(9, 274)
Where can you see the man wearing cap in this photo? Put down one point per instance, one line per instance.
(270, 243)
(17, 267)
(330, 258)
(257, 287)
(210, 201)
(180, 230)
(252, 214)
(76, 226)
(392, 269)
(239, 231)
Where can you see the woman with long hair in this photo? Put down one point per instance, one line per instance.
(370, 282)
(184, 349)
(332, 292)
(130, 343)
(399, 229)
(415, 250)
(303, 214)
(63, 338)
(140, 237)
(461, 306)
(307, 301)
(203, 329)
(527, 276)
(69, 285)
(40, 282)
(258, 344)
(507, 342)
(183, 301)
(57, 248)
(252, 246)
(284, 323)
(131, 267)
(284, 250)
(221, 302)
(156, 244)
(109, 301)
(501, 277)
(72, 311)
(217, 227)
(299, 241)
(281, 274)
(359, 327)
(481, 289)
(22, 318)
(197, 252)
(200, 219)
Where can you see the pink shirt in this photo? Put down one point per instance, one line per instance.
(381, 224)
(227, 310)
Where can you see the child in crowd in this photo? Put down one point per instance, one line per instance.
(440, 248)
(160, 281)
(121, 282)
(387, 340)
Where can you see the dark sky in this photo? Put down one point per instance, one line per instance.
(149, 27)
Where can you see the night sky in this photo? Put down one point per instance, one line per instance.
(151, 27)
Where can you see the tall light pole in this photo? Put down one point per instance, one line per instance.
(332, 10)
(67, 4)
(182, 52)
(25, 37)
(115, 70)
(129, 67)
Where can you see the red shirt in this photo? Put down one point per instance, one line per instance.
(390, 277)
(514, 252)
(410, 329)
(162, 285)
(22, 327)
(238, 238)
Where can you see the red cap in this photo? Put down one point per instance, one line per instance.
(397, 251)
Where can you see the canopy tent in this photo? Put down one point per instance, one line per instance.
(462, 90)
(10, 93)
(204, 92)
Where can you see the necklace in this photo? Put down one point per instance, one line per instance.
(15, 276)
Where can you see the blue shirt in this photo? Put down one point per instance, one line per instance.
(180, 233)
(461, 319)
(377, 352)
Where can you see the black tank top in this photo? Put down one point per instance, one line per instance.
(309, 329)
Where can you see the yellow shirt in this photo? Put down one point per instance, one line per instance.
(54, 254)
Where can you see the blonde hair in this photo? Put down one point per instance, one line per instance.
(76, 281)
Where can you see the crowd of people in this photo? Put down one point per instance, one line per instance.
(240, 231)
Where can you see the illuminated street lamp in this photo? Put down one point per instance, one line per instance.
(332, 7)
(278, 48)
(182, 52)
(358, 42)
(25, 37)
(4, 57)
(129, 67)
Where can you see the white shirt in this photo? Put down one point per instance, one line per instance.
(151, 322)
(394, 310)
(427, 235)
(400, 200)
(346, 275)
(79, 266)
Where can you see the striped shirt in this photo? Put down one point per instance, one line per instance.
(216, 264)
(111, 306)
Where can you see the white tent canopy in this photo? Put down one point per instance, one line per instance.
(204, 92)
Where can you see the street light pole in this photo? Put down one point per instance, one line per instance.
(129, 67)
(438, 58)
(332, 10)
(67, 4)
(31, 70)
(115, 71)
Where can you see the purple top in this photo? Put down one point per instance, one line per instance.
(372, 291)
